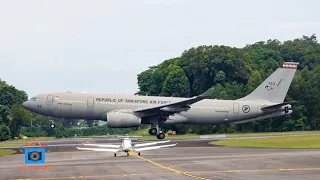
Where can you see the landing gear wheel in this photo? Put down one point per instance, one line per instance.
(153, 131)
(139, 154)
(286, 110)
(52, 126)
(115, 154)
(161, 136)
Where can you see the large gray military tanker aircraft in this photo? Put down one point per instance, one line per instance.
(124, 111)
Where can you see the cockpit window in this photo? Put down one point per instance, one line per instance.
(34, 99)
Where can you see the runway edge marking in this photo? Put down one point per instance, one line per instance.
(169, 168)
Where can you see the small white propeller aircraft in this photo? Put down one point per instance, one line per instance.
(126, 146)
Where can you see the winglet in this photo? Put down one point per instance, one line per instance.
(207, 93)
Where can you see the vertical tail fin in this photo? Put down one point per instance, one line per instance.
(275, 87)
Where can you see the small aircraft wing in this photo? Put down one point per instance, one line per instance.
(150, 143)
(104, 145)
(182, 104)
(99, 149)
(153, 147)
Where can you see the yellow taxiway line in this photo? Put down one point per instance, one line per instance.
(169, 168)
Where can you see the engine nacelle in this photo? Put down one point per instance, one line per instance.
(122, 120)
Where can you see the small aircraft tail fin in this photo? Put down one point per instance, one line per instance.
(275, 87)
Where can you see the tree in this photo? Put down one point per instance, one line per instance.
(4, 115)
(20, 117)
(176, 83)
(9, 95)
(4, 133)
(235, 72)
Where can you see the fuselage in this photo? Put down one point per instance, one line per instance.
(92, 106)
(126, 145)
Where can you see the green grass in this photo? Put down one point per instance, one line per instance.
(141, 132)
(5, 152)
(21, 142)
(28, 139)
(271, 133)
(173, 137)
(145, 134)
(11, 144)
(273, 142)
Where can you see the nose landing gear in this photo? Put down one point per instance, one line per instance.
(286, 110)
(52, 125)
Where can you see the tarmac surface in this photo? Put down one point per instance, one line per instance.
(190, 159)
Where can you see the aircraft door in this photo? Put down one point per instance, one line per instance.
(90, 102)
(49, 104)
(50, 100)
(235, 111)
(90, 108)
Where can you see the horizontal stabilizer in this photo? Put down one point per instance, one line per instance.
(104, 145)
(275, 114)
(99, 149)
(151, 143)
(275, 106)
(153, 147)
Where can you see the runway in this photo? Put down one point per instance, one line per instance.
(192, 159)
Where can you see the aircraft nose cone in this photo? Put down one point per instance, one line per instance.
(26, 105)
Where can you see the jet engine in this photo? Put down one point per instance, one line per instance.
(122, 120)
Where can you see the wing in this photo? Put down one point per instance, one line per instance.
(149, 144)
(153, 147)
(275, 106)
(104, 145)
(175, 106)
(99, 149)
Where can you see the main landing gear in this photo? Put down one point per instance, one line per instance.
(115, 154)
(154, 131)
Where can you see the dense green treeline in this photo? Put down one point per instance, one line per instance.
(235, 72)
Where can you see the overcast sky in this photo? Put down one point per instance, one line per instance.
(101, 46)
